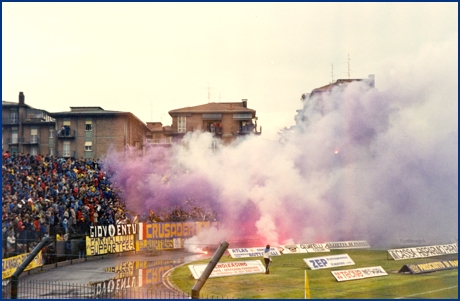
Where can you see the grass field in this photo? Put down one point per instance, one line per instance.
(287, 280)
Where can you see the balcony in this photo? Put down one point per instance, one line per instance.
(249, 129)
(13, 141)
(61, 134)
(214, 128)
(32, 140)
(10, 120)
(65, 154)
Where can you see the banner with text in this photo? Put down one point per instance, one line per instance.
(428, 267)
(109, 245)
(328, 261)
(9, 265)
(229, 268)
(303, 248)
(360, 273)
(252, 252)
(421, 252)
(169, 235)
(357, 244)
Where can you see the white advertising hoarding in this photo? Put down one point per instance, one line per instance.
(421, 252)
(252, 252)
(229, 268)
(360, 273)
(356, 244)
(332, 261)
(303, 248)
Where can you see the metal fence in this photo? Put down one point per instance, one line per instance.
(34, 289)
(53, 290)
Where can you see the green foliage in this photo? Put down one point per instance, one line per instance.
(287, 280)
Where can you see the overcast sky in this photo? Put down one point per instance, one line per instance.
(150, 58)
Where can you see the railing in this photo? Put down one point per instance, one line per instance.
(66, 154)
(66, 134)
(15, 141)
(34, 289)
(33, 140)
(10, 120)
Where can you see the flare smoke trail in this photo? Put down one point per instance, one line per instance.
(362, 164)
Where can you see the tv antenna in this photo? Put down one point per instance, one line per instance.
(332, 73)
(348, 66)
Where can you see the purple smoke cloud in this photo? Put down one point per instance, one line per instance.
(360, 164)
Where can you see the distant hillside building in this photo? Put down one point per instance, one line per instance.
(226, 120)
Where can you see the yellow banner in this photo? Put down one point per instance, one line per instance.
(9, 265)
(109, 245)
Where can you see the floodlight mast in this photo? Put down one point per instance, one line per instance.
(205, 275)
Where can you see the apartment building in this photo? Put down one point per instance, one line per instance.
(26, 129)
(83, 132)
(89, 132)
(339, 84)
(225, 120)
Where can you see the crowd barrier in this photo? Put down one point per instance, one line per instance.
(112, 239)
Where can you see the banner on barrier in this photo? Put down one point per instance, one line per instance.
(428, 267)
(360, 273)
(421, 252)
(229, 268)
(9, 265)
(112, 230)
(252, 252)
(109, 245)
(357, 244)
(303, 248)
(332, 261)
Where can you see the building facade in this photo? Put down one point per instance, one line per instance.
(25, 129)
(90, 132)
(225, 120)
(82, 132)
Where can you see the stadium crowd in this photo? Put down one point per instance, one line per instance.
(49, 196)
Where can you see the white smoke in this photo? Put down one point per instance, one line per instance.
(361, 164)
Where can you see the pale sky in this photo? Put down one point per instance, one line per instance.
(150, 58)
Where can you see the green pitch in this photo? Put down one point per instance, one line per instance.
(287, 280)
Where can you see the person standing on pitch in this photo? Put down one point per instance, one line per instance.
(267, 258)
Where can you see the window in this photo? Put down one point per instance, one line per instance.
(34, 151)
(88, 125)
(14, 135)
(88, 146)
(33, 135)
(14, 116)
(66, 149)
(51, 151)
(181, 124)
(51, 130)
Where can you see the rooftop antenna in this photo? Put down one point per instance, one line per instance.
(332, 73)
(348, 66)
(209, 93)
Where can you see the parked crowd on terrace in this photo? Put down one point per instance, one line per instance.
(58, 197)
